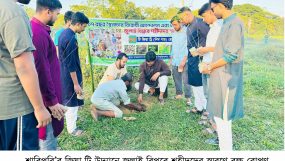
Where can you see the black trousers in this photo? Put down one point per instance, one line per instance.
(18, 133)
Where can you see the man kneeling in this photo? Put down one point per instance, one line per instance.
(108, 96)
(153, 75)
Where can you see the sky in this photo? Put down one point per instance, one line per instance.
(273, 6)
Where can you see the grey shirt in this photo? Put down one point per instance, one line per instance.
(15, 38)
(226, 82)
(113, 91)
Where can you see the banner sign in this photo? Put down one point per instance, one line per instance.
(109, 37)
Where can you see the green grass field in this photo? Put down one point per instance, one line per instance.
(169, 127)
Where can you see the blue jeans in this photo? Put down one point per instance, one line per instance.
(51, 142)
(178, 77)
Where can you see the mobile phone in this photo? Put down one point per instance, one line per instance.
(193, 49)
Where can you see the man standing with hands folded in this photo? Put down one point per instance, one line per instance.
(71, 73)
(225, 102)
(47, 65)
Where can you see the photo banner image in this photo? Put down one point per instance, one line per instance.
(109, 37)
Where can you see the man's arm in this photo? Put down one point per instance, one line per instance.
(232, 45)
(124, 96)
(18, 41)
(56, 37)
(183, 62)
(164, 69)
(138, 107)
(205, 50)
(219, 63)
(109, 78)
(27, 74)
(142, 79)
(110, 73)
(203, 28)
(70, 62)
(184, 51)
(171, 56)
(45, 76)
(77, 87)
(188, 35)
(170, 61)
(141, 83)
(43, 69)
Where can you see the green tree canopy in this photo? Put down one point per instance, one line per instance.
(257, 21)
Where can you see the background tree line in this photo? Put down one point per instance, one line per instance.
(258, 22)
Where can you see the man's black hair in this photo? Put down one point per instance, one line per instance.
(127, 77)
(150, 56)
(79, 17)
(175, 18)
(227, 3)
(204, 8)
(67, 16)
(121, 55)
(183, 9)
(48, 4)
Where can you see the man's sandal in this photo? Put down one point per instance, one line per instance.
(209, 131)
(77, 132)
(195, 111)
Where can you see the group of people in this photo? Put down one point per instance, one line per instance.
(206, 57)
(213, 49)
(41, 78)
(116, 81)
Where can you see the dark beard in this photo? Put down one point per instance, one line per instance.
(120, 66)
(24, 1)
(178, 29)
(50, 23)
